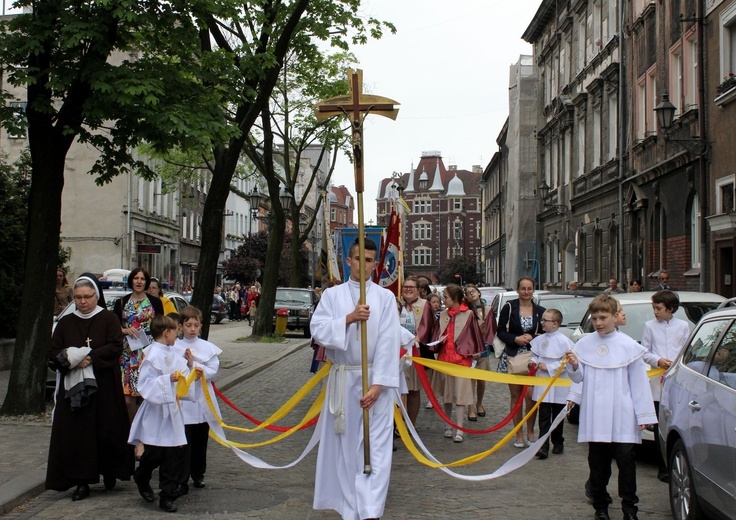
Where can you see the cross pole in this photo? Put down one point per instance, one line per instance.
(356, 106)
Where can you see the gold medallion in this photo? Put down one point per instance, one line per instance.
(602, 350)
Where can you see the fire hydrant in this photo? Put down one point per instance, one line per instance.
(282, 317)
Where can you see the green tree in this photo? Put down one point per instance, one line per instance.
(15, 181)
(458, 266)
(256, 39)
(246, 264)
(112, 74)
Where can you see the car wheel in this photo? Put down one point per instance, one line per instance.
(213, 318)
(683, 500)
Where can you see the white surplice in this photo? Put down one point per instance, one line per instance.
(550, 348)
(663, 339)
(159, 421)
(206, 357)
(615, 398)
(340, 483)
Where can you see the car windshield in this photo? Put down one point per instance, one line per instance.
(637, 314)
(572, 309)
(293, 296)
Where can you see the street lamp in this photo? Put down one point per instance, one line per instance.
(665, 112)
(254, 197)
(543, 190)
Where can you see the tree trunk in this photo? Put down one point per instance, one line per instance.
(27, 378)
(297, 268)
(276, 229)
(226, 159)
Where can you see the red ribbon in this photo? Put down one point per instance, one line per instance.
(440, 411)
(256, 421)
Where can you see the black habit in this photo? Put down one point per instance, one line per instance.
(92, 440)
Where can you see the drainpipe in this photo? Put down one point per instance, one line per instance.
(699, 19)
(621, 140)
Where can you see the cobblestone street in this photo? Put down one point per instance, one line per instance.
(550, 489)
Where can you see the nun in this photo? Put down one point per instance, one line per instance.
(90, 422)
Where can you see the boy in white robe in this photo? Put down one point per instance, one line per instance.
(548, 350)
(663, 338)
(206, 357)
(340, 482)
(615, 405)
(159, 423)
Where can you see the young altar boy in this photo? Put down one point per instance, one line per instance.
(616, 404)
(548, 351)
(205, 356)
(159, 423)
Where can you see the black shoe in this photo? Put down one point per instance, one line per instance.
(541, 454)
(109, 482)
(198, 482)
(664, 476)
(167, 505)
(81, 492)
(630, 516)
(181, 490)
(559, 449)
(144, 488)
(601, 514)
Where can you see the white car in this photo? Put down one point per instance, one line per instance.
(502, 298)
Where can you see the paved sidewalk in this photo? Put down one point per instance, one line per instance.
(26, 440)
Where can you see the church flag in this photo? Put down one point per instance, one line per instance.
(389, 265)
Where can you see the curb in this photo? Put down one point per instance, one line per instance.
(33, 483)
(235, 378)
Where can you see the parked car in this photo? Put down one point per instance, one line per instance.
(487, 293)
(502, 298)
(697, 421)
(219, 309)
(300, 303)
(179, 300)
(638, 307)
(572, 304)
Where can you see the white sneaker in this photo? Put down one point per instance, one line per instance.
(428, 406)
(448, 433)
(459, 437)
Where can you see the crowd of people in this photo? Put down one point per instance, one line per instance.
(118, 373)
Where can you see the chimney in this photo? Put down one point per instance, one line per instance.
(452, 168)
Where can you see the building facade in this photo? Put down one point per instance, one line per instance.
(445, 220)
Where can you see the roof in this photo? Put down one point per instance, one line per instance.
(542, 17)
(342, 195)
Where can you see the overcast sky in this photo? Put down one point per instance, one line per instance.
(448, 67)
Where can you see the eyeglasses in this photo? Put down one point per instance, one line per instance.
(84, 297)
(548, 321)
(410, 287)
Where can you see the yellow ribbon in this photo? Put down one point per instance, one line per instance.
(313, 411)
(496, 377)
(406, 438)
(183, 383)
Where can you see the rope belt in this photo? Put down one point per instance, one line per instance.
(336, 394)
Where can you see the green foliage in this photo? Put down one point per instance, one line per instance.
(14, 185)
(458, 265)
(247, 263)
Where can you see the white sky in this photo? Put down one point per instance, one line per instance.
(448, 67)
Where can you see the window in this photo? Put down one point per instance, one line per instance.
(645, 103)
(676, 78)
(333, 215)
(596, 135)
(612, 126)
(457, 230)
(725, 195)
(421, 256)
(19, 120)
(690, 77)
(422, 231)
(695, 232)
(697, 352)
(457, 204)
(422, 206)
(581, 43)
(727, 23)
(581, 147)
(723, 366)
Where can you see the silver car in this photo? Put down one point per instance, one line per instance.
(697, 417)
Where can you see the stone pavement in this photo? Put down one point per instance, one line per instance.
(25, 441)
(550, 489)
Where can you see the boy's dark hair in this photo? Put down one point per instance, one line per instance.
(668, 298)
(556, 315)
(370, 245)
(160, 324)
(603, 303)
(189, 312)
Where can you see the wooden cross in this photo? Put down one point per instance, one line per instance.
(356, 106)
(88, 342)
